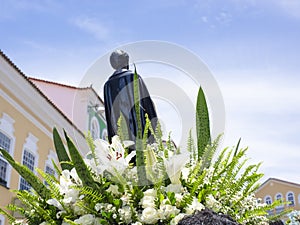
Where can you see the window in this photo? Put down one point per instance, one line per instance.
(280, 207)
(268, 200)
(290, 198)
(49, 168)
(4, 144)
(4, 141)
(2, 220)
(7, 140)
(104, 134)
(29, 158)
(95, 129)
(28, 161)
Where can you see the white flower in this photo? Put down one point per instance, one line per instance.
(148, 201)
(177, 218)
(149, 215)
(196, 205)
(137, 223)
(111, 157)
(75, 176)
(55, 203)
(125, 214)
(150, 192)
(98, 207)
(19, 222)
(71, 196)
(78, 210)
(125, 200)
(168, 210)
(178, 197)
(185, 172)
(212, 203)
(87, 219)
(174, 165)
(176, 188)
(113, 189)
(58, 215)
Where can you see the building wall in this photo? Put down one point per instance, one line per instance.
(80, 105)
(274, 188)
(23, 129)
(27, 118)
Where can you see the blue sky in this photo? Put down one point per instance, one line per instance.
(251, 46)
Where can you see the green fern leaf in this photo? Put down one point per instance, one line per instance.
(28, 175)
(81, 168)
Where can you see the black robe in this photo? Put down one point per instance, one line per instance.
(118, 97)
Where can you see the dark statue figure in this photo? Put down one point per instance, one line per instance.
(119, 99)
(207, 217)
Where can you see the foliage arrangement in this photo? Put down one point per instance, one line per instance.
(162, 186)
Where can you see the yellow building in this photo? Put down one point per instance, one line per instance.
(27, 117)
(273, 189)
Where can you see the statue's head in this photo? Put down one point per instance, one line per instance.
(119, 59)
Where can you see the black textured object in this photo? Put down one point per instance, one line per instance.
(207, 217)
(278, 222)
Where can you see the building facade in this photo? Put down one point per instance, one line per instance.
(27, 118)
(275, 189)
(82, 106)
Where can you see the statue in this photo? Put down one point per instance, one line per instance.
(119, 99)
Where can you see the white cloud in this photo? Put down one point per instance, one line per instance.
(291, 7)
(92, 26)
(264, 111)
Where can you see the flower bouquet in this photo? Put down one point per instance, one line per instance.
(163, 186)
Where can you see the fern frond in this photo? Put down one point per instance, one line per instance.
(209, 153)
(28, 175)
(10, 218)
(52, 182)
(90, 194)
(122, 128)
(33, 202)
(80, 166)
(57, 170)
(92, 147)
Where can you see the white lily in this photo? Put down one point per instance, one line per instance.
(174, 165)
(111, 157)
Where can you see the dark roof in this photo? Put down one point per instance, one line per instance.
(38, 90)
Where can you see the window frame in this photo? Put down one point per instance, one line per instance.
(279, 208)
(7, 128)
(287, 198)
(95, 121)
(266, 197)
(48, 163)
(2, 220)
(31, 146)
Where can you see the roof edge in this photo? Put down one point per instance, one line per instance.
(9, 61)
